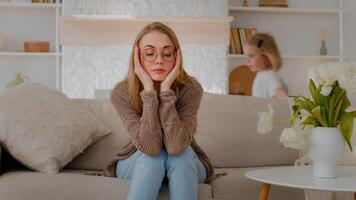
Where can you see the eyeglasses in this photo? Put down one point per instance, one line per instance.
(150, 54)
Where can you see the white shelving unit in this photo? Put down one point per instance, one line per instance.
(296, 30)
(21, 21)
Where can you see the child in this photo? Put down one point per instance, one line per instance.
(262, 56)
(158, 103)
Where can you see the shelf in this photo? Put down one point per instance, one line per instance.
(130, 18)
(4, 53)
(29, 5)
(121, 29)
(285, 10)
(316, 57)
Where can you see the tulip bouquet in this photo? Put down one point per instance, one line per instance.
(328, 106)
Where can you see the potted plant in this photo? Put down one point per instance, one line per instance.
(327, 110)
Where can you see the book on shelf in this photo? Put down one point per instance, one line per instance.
(232, 42)
(238, 37)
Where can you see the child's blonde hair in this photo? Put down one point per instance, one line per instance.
(268, 48)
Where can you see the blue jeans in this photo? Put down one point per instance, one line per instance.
(184, 172)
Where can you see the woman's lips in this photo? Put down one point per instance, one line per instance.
(159, 71)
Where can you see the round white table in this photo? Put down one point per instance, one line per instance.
(302, 177)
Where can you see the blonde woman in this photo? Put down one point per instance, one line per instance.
(158, 103)
(262, 56)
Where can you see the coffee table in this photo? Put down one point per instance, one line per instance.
(302, 177)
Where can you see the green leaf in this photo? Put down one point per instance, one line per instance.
(346, 127)
(319, 117)
(310, 120)
(336, 113)
(334, 102)
(312, 88)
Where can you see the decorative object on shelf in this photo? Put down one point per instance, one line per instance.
(42, 1)
(19, 78)
(244, 3)
(36, 46)
(1, 41)
(326, 110)
(323, 49)
(241, 80)
(325, 158)
(274, 3)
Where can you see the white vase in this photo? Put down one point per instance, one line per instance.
(326, 146)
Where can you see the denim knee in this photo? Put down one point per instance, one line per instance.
(186, 159)
(152, 164)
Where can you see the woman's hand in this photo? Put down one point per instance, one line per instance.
(141, 73)
(168, 81)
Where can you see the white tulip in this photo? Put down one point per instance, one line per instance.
(293, 138)
(265, 122)
(326, 90)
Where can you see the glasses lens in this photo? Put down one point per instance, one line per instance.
(149, 54)
(168, 54)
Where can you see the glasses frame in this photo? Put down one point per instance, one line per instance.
(156, 54)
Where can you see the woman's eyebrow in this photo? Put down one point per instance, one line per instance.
(149, 46)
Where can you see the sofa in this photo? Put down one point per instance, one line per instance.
(226, 131)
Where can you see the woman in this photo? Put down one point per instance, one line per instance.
(158, 103)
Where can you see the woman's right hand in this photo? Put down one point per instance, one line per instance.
(141, 73)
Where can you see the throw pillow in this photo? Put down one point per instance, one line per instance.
(43, 129)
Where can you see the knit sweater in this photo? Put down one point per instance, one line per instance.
(168, 120)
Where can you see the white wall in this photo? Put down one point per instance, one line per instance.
(350, 30)
(86, 68)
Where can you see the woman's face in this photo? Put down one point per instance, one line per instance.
(157, 55)
(254, 59)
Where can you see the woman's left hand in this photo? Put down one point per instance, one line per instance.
(168, 81)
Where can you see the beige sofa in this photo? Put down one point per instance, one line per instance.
(226, 131)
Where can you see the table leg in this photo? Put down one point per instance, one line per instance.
(354, 196)
(264, 191)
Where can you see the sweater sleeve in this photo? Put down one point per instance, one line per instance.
(178, 119)
(144, 129)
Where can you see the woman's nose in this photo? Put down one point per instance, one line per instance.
(159, 58)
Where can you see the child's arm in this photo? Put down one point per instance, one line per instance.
(280, 92)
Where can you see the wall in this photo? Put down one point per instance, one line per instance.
(86, 68)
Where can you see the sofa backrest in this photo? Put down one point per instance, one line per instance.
(226, 132)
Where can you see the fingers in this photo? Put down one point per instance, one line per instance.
(178, 58)
(136, 58)
(178, 61)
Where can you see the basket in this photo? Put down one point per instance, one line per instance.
(36, 46)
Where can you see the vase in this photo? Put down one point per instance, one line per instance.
(323, 49)
(326, 146)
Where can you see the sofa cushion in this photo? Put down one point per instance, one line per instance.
(43, 129)
(98, 155)
(227, 131)
(236, 186)
(19, 185)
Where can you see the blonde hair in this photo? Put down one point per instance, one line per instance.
(268, 48)
(133, 82)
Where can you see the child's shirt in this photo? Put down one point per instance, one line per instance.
(265, 84)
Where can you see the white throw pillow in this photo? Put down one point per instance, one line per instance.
(43, 129)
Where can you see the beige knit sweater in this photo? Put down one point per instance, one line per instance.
(167, 121)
